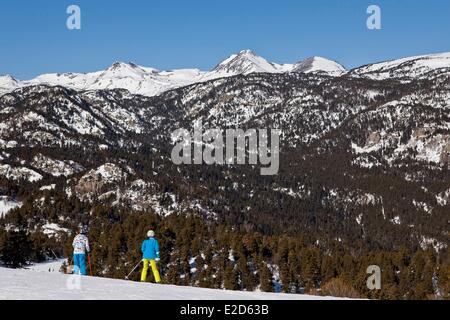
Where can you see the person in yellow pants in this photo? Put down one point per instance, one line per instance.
(150, 255)
(155, 271)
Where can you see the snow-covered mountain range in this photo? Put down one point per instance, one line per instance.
(364, 153)
(411, 67)
(92, 144)
(150, 81)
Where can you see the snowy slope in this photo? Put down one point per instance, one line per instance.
(45, 283)
(136, 79)
(18, 173)
(7, 204)
(8, 83)
(150, 82)
(319, 64)
(417, 66)
(245, 62)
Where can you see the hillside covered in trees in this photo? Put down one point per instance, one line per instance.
(363, 180)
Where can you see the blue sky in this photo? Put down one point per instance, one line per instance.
(169, 34)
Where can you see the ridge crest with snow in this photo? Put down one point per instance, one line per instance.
(151, 82)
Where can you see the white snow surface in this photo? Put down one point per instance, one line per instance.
(38, 283)
(150, 81)
(319, 64)
(245, 62)
(56, 168)
(410, 67)
(8, 83)
(52, 229)
(18, 173)
(108, 172)
(7, 204)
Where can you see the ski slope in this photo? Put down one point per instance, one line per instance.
(44, 282)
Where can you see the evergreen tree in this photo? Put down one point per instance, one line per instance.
(17, 249)
(265, 282)
(230, 278)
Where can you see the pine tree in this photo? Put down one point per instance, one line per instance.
(311, 268)
(265, 279)
(173, 274)
(3, 239)
(230, 278)
(17, 249)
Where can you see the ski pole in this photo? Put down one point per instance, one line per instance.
(89, 262)
(133, 270)
(54, 254)
(68, 265)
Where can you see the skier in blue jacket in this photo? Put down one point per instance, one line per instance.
(150, 255)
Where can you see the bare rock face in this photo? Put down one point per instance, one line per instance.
(95, 179)
(445, 156)
(422, 133)
(373, 139)
(89, 184)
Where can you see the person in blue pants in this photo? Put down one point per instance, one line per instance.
(80, 248)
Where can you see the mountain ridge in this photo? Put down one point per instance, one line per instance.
(150, 81)
(364, 166)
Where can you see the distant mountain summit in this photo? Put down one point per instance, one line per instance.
(151, 82)
(245, 62)
(7, 82)
(319, 64)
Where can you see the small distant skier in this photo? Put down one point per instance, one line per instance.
(150, 252)
(80, 248)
